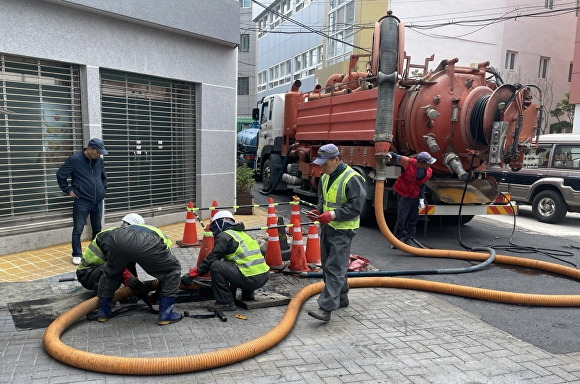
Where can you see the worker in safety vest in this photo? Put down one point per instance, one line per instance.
(93, 261)
(341, 198)
(234, 262)
(410, 188)
(149, 247)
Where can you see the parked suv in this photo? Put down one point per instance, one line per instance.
(549, 180)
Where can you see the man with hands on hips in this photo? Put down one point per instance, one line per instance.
(341, 198)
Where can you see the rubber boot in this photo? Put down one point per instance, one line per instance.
(166, 314)
(104, 309)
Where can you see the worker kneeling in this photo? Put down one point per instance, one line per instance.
(149, 247)
(235, 262)
(93, 261)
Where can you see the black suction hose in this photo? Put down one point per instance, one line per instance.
(409, 272)
(279, 176)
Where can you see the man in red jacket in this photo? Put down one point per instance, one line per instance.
(410, 187)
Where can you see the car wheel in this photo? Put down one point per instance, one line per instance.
(549, 207)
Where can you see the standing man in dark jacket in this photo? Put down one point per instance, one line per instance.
(341, 198)
(88, 186)
(235, 262)
(410, 188)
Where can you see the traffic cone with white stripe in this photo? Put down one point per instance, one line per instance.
(206, 247)
(212, 210)
(273, 251)
(313, 246)
(295, 212)
(271, 218)
(189, 231)
(297, 257)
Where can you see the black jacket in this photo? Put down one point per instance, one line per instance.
(88, 177)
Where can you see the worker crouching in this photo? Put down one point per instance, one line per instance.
(234, 262)
(149, 247)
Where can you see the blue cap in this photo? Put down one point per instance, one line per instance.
(98, 145)
(425, 157)
(325, 153)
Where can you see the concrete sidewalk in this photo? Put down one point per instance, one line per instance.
(384, 336)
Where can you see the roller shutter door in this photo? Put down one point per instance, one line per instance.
(40, 126)
(149, 132)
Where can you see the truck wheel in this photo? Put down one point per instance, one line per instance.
(549, 207)
(266, 175)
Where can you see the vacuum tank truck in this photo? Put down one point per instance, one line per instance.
(464, 116)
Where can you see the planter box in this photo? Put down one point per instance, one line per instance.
(245, 200)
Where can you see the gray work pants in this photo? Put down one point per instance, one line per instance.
(224, 273)
(335, 255)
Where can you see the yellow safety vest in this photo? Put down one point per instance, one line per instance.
(335, 197)
(93, 256)
(247, 256)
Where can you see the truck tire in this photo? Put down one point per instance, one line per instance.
(266, 175)
(549, 207)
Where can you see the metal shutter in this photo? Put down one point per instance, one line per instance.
(40, 126)
(149, 132)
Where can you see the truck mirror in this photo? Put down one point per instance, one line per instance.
(255, 114)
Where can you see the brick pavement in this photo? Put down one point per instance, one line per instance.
(385, 336)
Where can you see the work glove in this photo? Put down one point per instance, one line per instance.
(421, 203)
(390, 158)
(325, 218)
(131, 281)
(187, 279)
(313, 215)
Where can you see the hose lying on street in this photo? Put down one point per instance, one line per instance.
(209, 360)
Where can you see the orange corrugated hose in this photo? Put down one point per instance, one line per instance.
(191, 363)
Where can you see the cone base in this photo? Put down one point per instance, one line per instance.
(288, 271)
(277, 268)
(181, 244)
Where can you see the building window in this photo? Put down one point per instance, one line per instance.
(510, 60)
(543, 70)
(262, 81)
(243, 85)
(301, 4)
(245, 3)
(549, 4)
(280, 74)
(262, 25)
(570, 72)
(306, 63)
(244, 43)
(340, 22)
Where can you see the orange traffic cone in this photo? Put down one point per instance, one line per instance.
(212, 210)
(189, 231)
(297, 257)
(295, 213)
(206, 247)
(271, 219)
(273, 251)
(313, 245)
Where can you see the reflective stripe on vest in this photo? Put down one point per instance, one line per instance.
(335, 197)
(247, 256)
(93, 256)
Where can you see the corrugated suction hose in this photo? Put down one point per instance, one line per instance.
(192, 363)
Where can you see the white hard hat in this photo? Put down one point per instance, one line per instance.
(133, 218)
(223, 215)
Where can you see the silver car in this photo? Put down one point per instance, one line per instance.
(549, 179)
